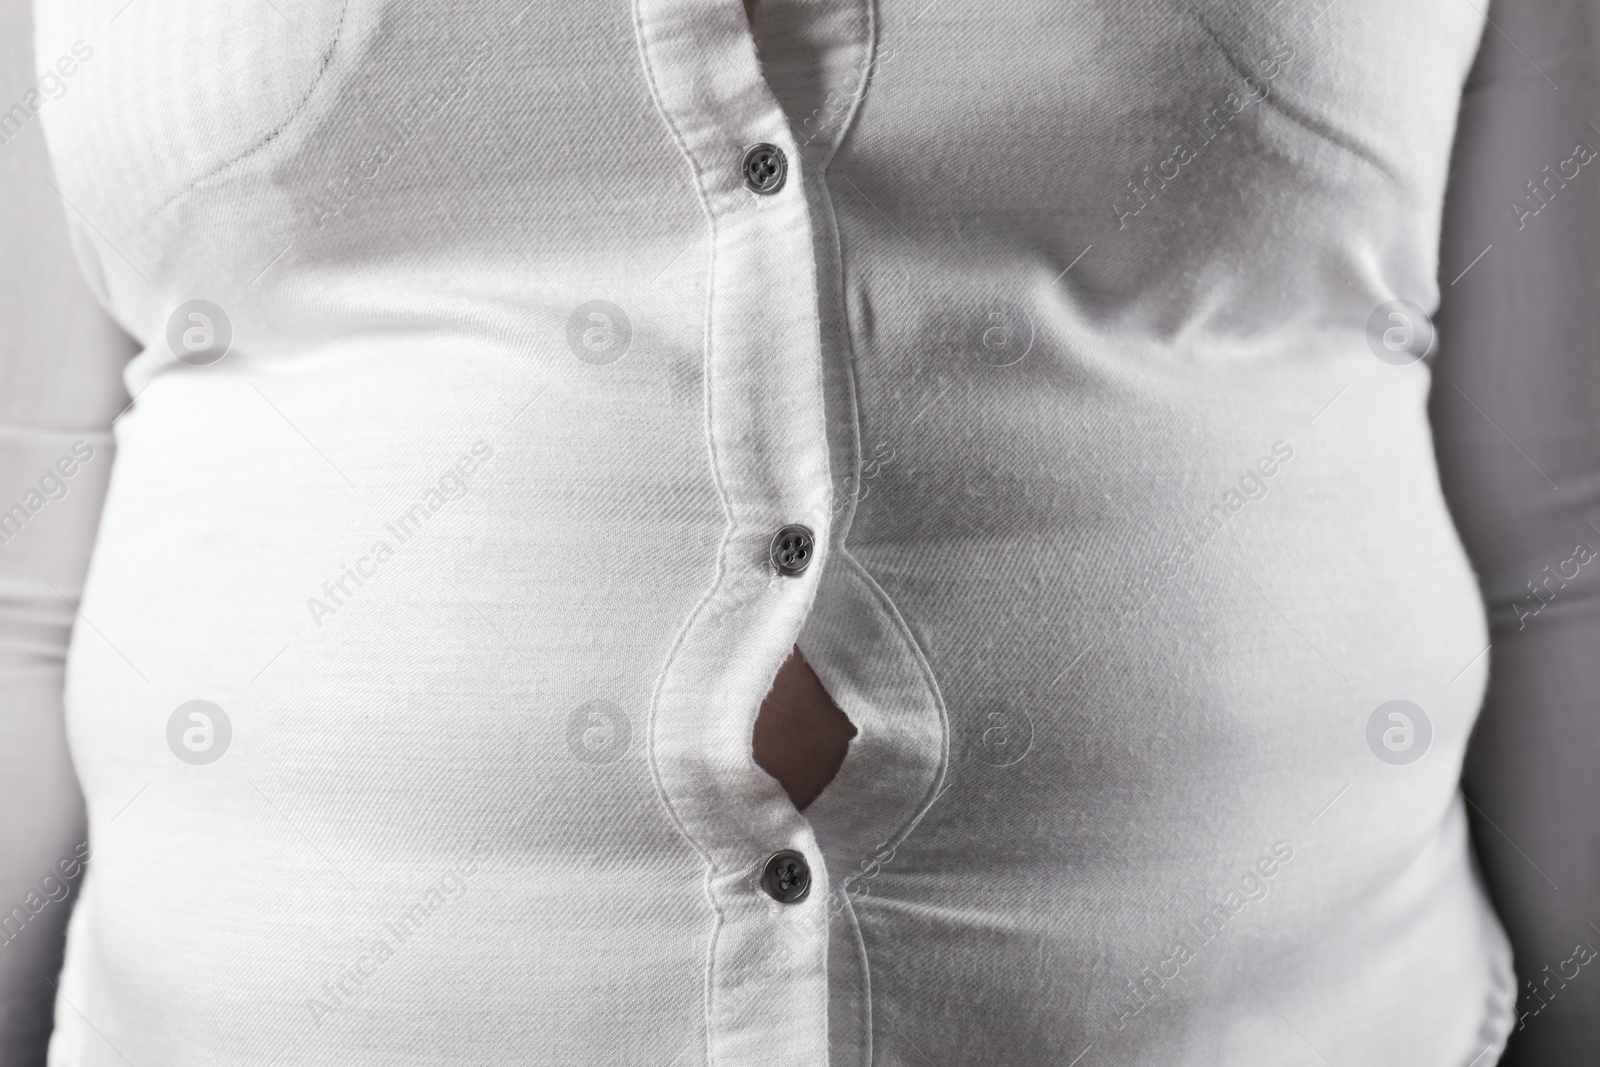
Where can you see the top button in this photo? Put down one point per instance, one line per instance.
(792, 548)
(765, 166)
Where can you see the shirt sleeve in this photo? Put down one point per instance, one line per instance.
(60, 388)
(1516, 413)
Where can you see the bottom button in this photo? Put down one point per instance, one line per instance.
(786, 877)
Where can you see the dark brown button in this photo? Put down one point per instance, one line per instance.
(786, 877)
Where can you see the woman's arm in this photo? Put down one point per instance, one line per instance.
(1516, 412)
(60, 361)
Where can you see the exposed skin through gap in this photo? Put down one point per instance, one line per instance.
(801, 735)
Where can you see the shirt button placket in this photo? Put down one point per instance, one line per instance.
(769, 448)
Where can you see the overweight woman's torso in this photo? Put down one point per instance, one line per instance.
(1056, 337)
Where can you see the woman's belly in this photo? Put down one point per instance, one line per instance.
(1105, 678)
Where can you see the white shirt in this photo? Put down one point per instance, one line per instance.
(1059, 335)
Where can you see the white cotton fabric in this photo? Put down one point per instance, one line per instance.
(1057, 335)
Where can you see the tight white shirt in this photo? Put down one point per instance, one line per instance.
(1059, 335)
